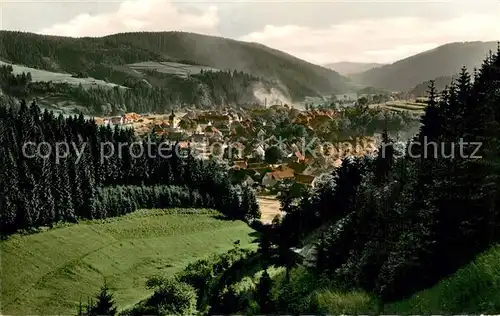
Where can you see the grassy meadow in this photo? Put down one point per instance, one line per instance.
(59, 77)
(49, 272)
(473, 289)
(417, 108)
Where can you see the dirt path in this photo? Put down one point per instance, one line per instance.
(269, 208)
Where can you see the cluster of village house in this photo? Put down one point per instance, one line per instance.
(196, 129)
(192, 125)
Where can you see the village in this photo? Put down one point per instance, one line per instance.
(267, 148)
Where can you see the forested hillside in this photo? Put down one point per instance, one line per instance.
(444, 60)
(105, 58)
(158, 92)
(93, 181)
(422, 89)
(378, 229)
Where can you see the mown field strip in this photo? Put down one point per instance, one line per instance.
(49, 272)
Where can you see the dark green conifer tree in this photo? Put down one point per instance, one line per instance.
(385, 159)
(61, 190)
(9, 192)
(264, 294)
(104, 304)
(48, 212)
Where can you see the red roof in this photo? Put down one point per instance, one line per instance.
(132, 116)
(286, 173)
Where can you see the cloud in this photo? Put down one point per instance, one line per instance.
(368, 37)
(138, 15)
(376, 40)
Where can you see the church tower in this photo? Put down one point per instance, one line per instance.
(171, 119)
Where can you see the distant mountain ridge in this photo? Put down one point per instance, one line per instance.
(442, 61)
(108, 57)
(347, 68)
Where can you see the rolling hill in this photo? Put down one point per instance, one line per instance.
(442, 61)
(347, 68)
(115, 58)
(50, 272)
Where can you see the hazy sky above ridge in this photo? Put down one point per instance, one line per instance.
(317, 31)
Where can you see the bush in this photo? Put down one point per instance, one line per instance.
(293, 297)
(170, 297)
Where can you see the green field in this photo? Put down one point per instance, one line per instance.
(49, 272)
(410, 106)
(59, 77)
(170, 68)
(413, 107)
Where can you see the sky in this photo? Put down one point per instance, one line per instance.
(318, 31)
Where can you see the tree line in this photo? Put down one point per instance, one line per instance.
(39, 190)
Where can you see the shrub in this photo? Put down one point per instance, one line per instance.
(172, 297)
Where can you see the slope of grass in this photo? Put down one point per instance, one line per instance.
(49, 272)
(59, 77)
(405, 105)
(474, 289)
(415, 108)
(337, 302)
(171, 68)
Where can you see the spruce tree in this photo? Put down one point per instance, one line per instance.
(264, 293)
(29, 198)
(321, 263)
(385, 159)
(48, 203)
(431, 120)
(250, 207)
(104, 304)
(264, 247)
(61, 190)
(9, 192)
